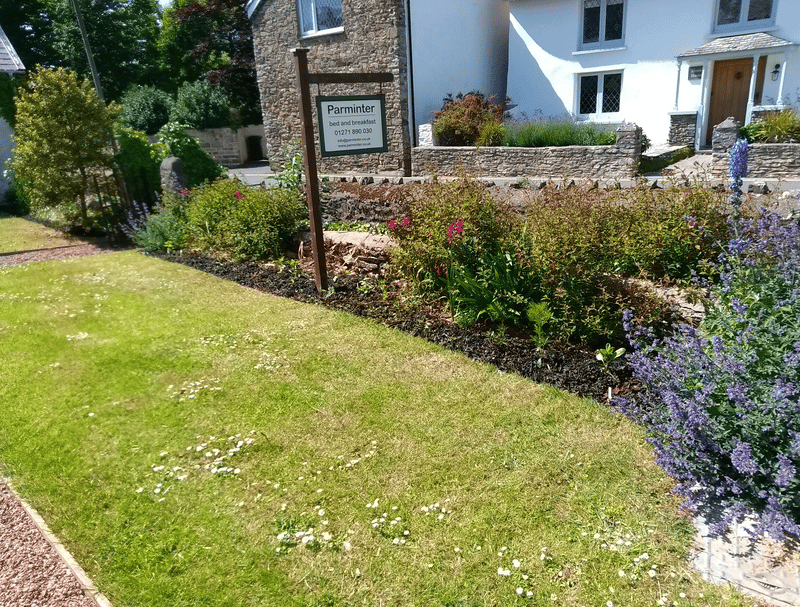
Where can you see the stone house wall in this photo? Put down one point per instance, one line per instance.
(373, 40)
(765, 160)
(620, 161)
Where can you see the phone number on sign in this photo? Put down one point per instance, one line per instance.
(352, 132)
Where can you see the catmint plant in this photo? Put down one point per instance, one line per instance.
(722, 402)
(737, 169)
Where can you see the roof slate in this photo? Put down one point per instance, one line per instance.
(733, 44)
(10, 62)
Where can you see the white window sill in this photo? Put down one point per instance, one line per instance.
(600, 50)
(741, 30)
(319, 34)
(608, 118)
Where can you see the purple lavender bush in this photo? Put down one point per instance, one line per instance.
(722, 401)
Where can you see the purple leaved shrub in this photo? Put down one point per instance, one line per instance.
(722, 400)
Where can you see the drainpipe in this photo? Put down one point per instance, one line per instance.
(412, 118)
(678, 86)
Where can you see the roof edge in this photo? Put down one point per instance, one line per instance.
(251, 7)
(19, 67)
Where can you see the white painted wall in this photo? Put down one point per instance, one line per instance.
(6, 146)
(457, 46)
(545, 61)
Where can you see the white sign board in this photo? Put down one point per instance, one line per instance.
(352, 125)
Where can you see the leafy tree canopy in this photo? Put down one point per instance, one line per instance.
(213, 39)
(63, 140)
(122, 34)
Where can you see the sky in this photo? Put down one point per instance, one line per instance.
(164, 3)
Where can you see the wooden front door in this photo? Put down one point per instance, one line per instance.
(729, 92)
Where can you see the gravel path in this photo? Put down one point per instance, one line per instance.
(32, 572)
(78, 250)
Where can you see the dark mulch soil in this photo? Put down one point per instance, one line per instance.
(565, 366)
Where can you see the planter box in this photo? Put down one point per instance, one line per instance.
(619, 161)
(765, 160)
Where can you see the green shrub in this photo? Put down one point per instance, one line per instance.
(139, 162)
(571, 253)
(545, 133)
(288, 166)
(199, 166)
(166, 229)
(492, 133)
(9, 87)
(461, 119)
(447, 224)
(661, 234)
(16, 200)
(777, 127)
(145, 108)
(248, 223)
(201, 106)
(63, 131)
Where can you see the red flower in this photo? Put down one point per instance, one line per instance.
(238, 194)
(392, 224)
(405, 222)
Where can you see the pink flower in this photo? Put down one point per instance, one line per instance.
(185, 193)
(392, 224)
(405, 222)
(238, 194)
(460, 227)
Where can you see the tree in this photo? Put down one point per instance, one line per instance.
(63, 135)
(213, 39)
(201, 106)
(146, 108)
(122, 34)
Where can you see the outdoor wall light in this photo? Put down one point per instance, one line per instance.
(776, 72)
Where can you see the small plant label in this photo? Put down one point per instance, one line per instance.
(352, 125)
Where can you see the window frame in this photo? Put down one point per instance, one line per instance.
(602, 43)
(315, 31)
(601, 78)
(743, 25)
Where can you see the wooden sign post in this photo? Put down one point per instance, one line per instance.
(364, 112)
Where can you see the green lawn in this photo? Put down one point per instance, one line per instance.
(23, 235)
(361, 466)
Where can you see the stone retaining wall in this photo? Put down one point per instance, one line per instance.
(765, 161)
(620, 161)
(221, 144)
(682, 128)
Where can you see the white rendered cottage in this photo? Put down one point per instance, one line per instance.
(10, 65)
(674, 67)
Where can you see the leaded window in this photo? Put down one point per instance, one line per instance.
(603, 23)
(600, 93)
(319, 15)
(744, 14)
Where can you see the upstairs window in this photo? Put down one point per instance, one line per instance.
(318, 16)
(600, 93)
(603, 23)
(735, 15)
